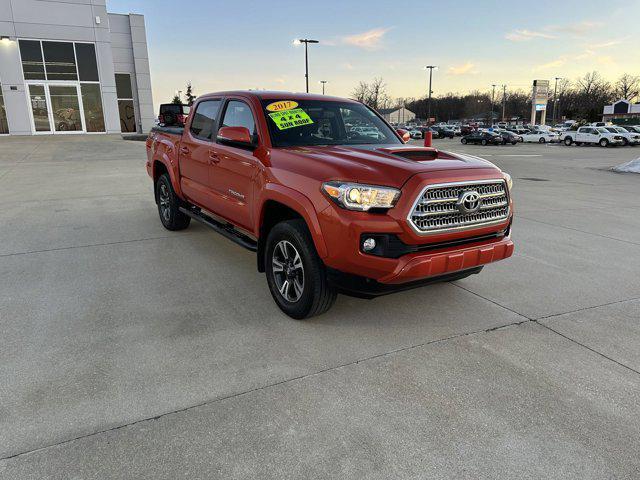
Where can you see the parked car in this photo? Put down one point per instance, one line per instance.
(509, 137)
(466, 130)
(592, 135)
(443, 132)
(628, 138)
(367, 131)
(482, 137)
(540, 136)
(633, 128)
(416, 134)
(173, 114)
(327, 210)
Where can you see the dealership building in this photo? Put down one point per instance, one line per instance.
(68, 66)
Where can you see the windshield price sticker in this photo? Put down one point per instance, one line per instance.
(281, 106)
(291, 118)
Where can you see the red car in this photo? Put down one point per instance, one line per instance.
(326, 207)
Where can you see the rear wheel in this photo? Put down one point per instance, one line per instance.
(484, 142)
(514, 142)
(296, 275)
(603, 142)
(542, 140)
(568, 141)
(463, 141)
(169, 205)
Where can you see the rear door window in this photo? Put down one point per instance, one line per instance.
(204, 119)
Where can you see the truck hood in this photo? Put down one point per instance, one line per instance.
(390, 165)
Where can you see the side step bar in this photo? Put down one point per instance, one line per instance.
(225, 230)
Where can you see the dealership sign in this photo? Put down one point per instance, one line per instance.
(539, 100)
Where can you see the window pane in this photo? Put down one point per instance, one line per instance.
(204, 119)
(127, 116)
(87, 64)
(66, 109)
(4, 126)
(123, 85)
(238, 114)
(92, 105)
(32, 65)
(59, 61)
(39, 108)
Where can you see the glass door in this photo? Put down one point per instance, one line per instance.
(65, 108)
(39, 108)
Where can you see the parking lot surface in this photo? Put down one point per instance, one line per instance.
(128, 351)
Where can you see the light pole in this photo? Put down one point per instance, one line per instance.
(430, 68)
(323, 82)
(555, 100)
(504, 100)
(306, 42)
(493, 95)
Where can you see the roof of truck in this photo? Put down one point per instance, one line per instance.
(278, 95)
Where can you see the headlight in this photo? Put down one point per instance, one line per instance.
(509, 181)
(354, 196)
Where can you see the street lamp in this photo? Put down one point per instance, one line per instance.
(493, 95)
(430, 68)
(306, 42)
(555, 100)
(504, 100)
(323, 82)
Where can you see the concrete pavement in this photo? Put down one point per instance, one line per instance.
(131, 352)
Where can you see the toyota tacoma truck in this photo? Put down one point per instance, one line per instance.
(326, 208)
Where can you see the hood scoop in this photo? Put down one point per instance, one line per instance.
(420, 154)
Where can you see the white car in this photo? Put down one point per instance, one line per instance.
(540, 136)
(629, 137)
(592, 135)
(633, 128)
(416, 134)
(368, 131)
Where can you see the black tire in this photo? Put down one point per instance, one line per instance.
(603, 142)
(484, 143)
(625, 142)
(168, 205)
(463, 141)
(542, 140)
(514, 143)
(317, 295)
(568, 141)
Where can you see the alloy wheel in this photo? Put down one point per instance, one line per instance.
(288, 271)
(164, 200)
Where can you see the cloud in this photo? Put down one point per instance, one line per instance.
(579, 29)
(610, 43)
(550, 65)
(526, 35)
(462, 69)
(349, 66)
(369, 40)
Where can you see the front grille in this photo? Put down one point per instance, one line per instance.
(438, 208)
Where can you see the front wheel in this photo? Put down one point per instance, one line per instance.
(463, 141)
(568, 141)
(484, 143)
(169, 205)
(542, 140)
(604, 142)
(296, 276)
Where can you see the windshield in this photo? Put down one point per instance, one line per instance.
(318, 122)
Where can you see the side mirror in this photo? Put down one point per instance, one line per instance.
(236, 136)
(406, 136)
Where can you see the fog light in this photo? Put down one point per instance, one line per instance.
(369, 244)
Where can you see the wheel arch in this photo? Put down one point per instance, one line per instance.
(281, 203)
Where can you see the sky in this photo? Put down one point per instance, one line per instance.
(228, 45)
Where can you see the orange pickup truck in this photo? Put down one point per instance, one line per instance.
(329, 196)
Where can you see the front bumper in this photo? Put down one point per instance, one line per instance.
(413, 257)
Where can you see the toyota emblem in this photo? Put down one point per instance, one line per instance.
(469, 202)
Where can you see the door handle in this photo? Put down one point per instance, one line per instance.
(213, 157)
(184, 150)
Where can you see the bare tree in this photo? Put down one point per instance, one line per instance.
(628, 87)
(373, 94)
